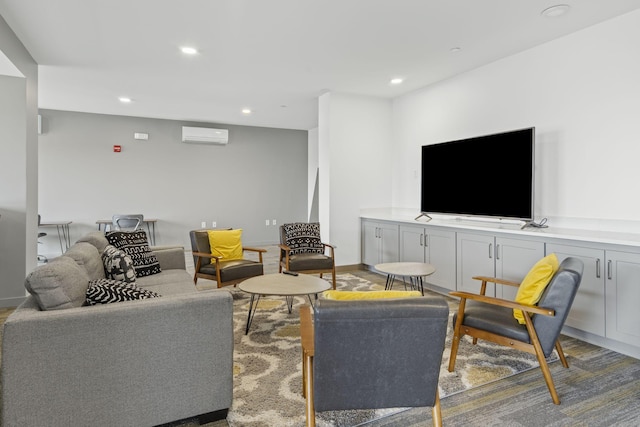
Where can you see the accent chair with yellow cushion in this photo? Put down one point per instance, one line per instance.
(219, 255)
(492, 319)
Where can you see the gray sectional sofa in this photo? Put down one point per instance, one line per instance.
(134, 363)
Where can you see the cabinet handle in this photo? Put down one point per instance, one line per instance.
(597, 268)
(497, 251)
(490, 250)
(609, 270)
(378, 232)
(426, 240)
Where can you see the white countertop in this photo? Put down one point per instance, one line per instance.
(509, 227)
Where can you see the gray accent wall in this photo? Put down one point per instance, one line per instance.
(261, 174)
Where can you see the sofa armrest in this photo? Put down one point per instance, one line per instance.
(144, 362)
(170, 257)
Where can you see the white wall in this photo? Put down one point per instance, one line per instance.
(582, 94)
(18, 166)
(357, 149)
(312, 171)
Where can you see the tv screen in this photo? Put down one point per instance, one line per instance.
(487, 176)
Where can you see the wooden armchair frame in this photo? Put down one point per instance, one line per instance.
(285, 252)
(217, 261)
(534, 347)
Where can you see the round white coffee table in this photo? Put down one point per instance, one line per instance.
(281, 284)
(414, 271)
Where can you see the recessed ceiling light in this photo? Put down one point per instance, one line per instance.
(555, 11)
(189, 50)
(396, 81)
(124, 99)
(455, 49)
(246, 111)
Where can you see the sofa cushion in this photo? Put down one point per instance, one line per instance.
(106, 291)
(303, 237)
(96, 238)
(86, 255)
(118, 265)
(135, 244)
(59, 284)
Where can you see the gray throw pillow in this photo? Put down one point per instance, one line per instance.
(118, 265)
(59, 284)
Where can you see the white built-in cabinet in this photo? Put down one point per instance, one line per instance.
(481, 254)
(623, 296)
(587, 311)
(605, 310)
(379, 242)
(433, 246)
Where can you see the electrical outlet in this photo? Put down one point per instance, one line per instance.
(266, 222)
(203, 224)
(273, 222)
(213, 224)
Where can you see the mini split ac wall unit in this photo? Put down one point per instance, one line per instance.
(195, 135)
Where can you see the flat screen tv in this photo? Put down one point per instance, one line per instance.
(486, 176)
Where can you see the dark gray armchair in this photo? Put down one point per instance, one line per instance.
(224, 272)
(491, 319)
(370, 354)
(302, 251)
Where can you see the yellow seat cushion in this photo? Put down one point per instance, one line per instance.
(226, 244)
(534, 284)
(357, 295)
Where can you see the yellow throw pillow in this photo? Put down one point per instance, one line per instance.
(534, 284)
(357, 295)
(226, 244)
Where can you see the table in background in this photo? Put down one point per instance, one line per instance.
(281, 284)
(63, 232)
(150, 223)
(414, 271)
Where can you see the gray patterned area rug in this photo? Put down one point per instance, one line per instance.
(267, 365)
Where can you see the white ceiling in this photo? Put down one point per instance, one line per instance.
(272, 56)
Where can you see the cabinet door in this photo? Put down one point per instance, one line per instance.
(623, 295)
(412, 243)
(370, 242)
(475, 253)
(389, 242)
(514, 259)
(441, 253)
(587, 311)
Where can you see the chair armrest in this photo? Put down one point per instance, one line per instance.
(331, 248)
(284, 247)
(205, 255)
(247, 248)
(503, 303)
(496, 280)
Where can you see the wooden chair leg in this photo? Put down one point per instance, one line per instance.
(561, 354)
(455, 340)
(436, 411)
(542, 361)
(309, 409)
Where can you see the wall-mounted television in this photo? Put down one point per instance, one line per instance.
(486, 176)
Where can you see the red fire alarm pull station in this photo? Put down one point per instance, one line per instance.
(117, 148)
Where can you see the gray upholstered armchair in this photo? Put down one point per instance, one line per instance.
(224, 271)
(301, 250)
(369, 354)
(492, 319)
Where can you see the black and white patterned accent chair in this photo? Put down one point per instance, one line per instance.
(302, 251)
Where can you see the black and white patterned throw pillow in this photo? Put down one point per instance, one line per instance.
(303, 238)
(106, 291)
(118, 265)
(135, 244)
